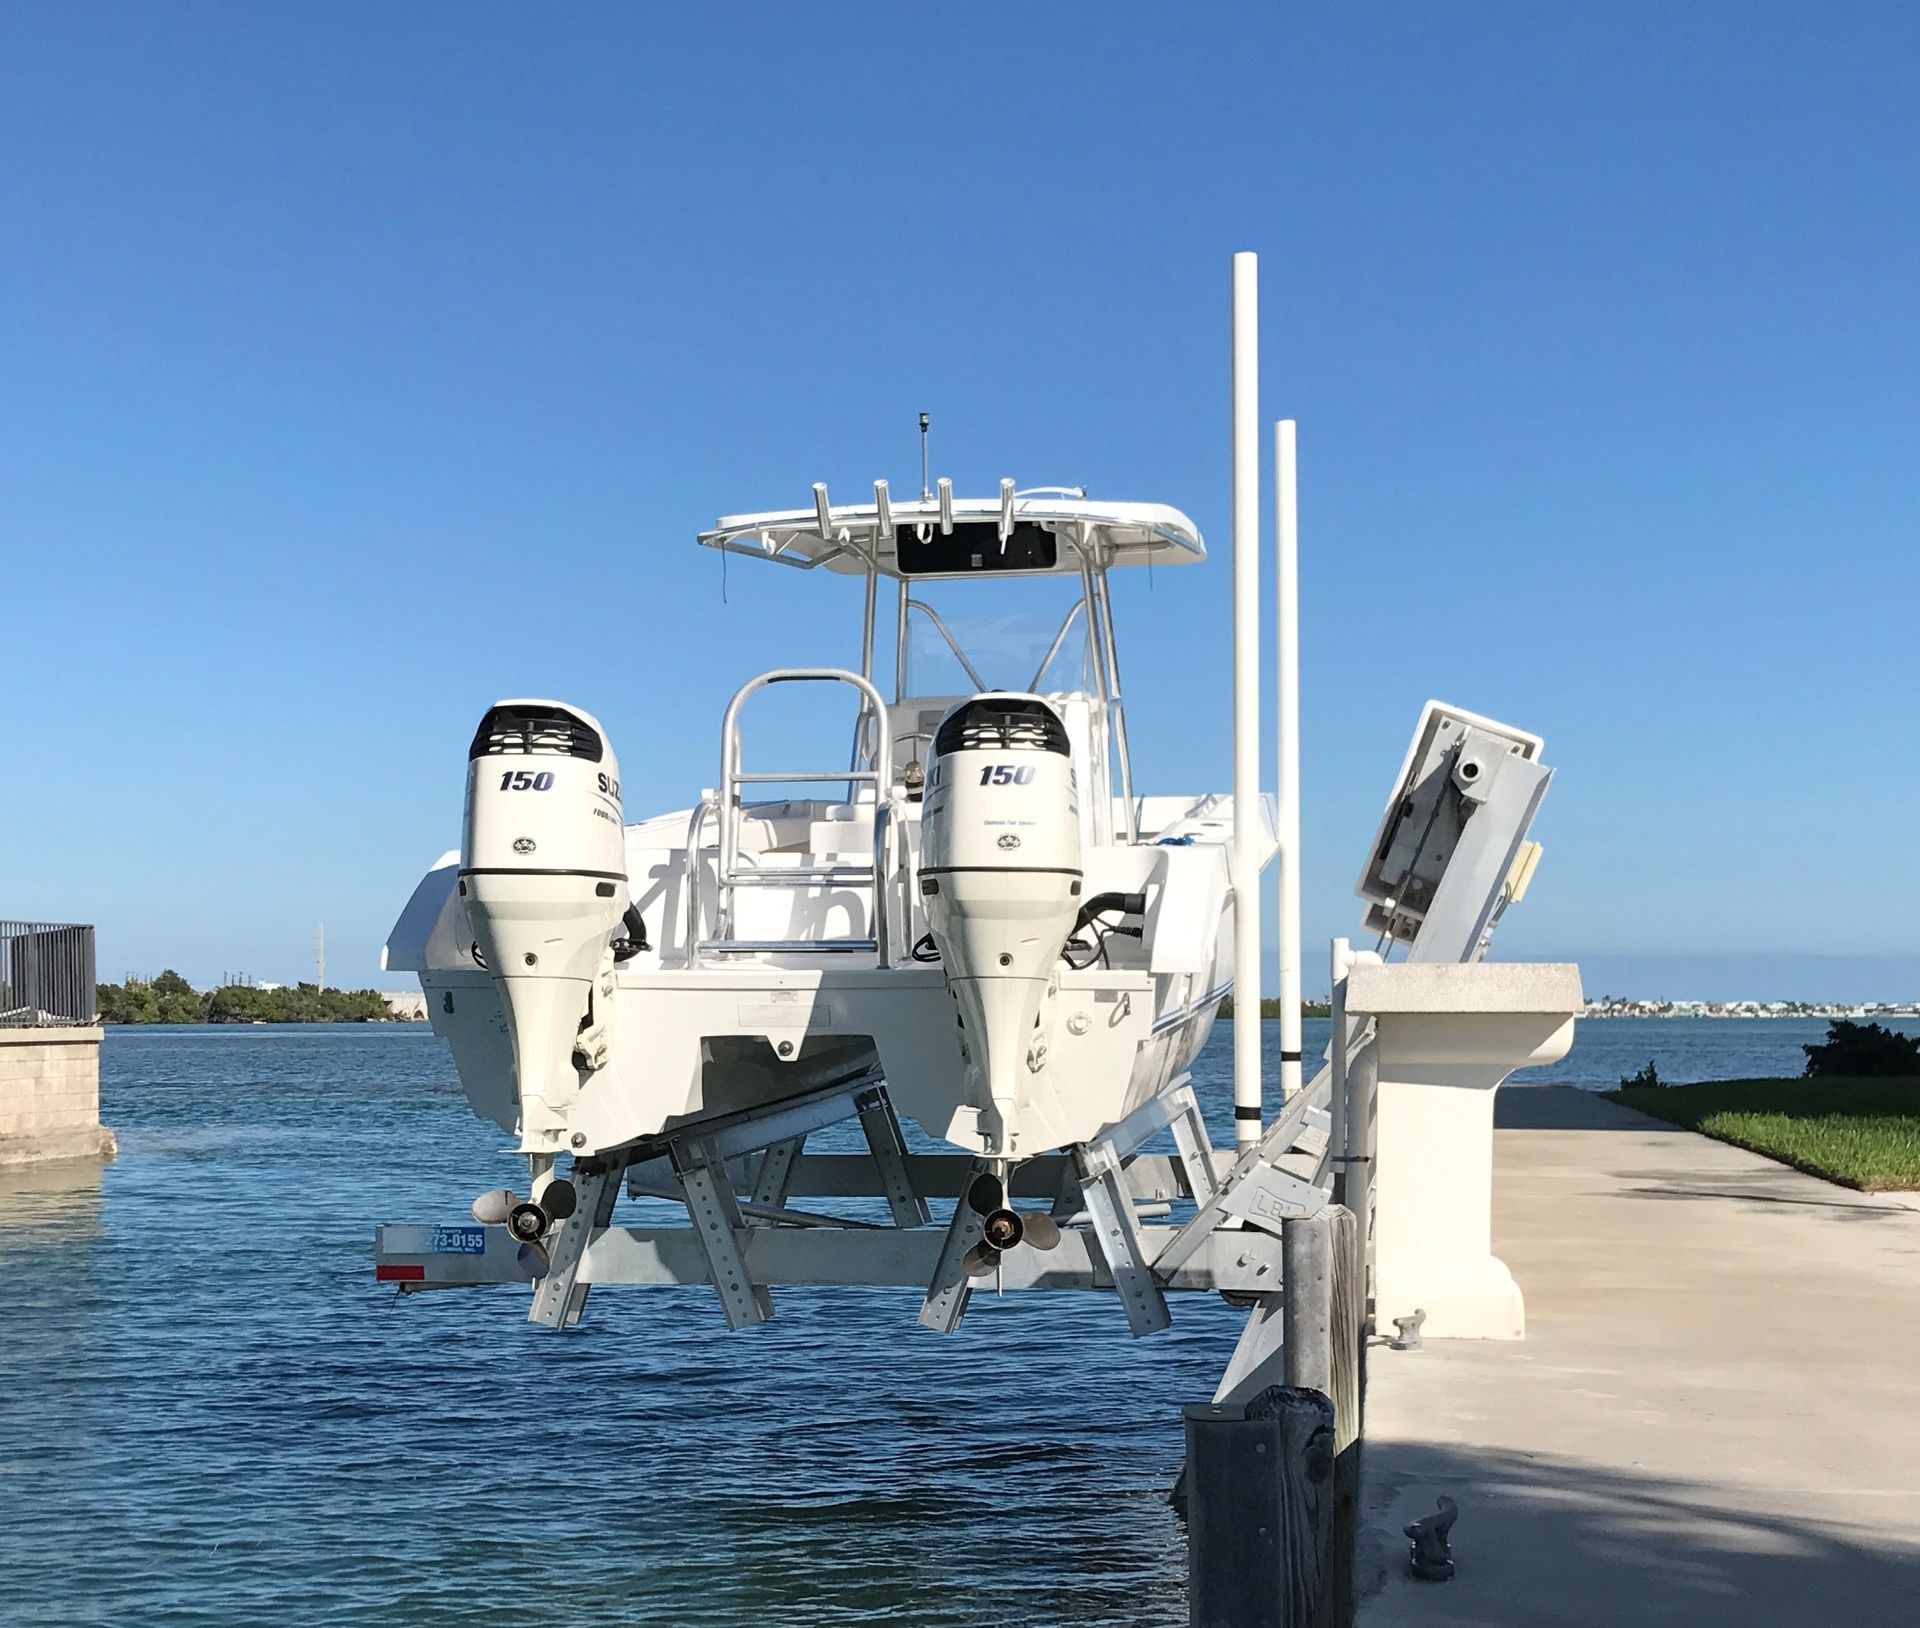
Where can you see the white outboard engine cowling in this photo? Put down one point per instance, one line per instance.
(543, 873)
(1000, 876)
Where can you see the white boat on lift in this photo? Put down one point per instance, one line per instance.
(984, 916)
(968, 917)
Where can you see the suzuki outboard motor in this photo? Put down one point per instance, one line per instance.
(1000, 872)
(543, 873)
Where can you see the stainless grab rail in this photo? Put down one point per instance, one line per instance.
(690, 883)
(729, 873)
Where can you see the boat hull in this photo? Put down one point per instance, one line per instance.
(692, 1043)
(695, 1035)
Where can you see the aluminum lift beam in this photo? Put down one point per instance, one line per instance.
(417, 1258)
(738, 1172)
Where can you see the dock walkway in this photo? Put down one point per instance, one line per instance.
(1714, 1417)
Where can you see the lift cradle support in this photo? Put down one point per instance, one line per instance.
(1097, 1175)
(560, 1296)
(699, 1159)
(949, 1289)
(739, 1173)
(1257, 1191)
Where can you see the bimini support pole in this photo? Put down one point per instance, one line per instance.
(1286, 530)
(1247, 833)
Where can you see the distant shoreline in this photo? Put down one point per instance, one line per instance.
(170, 1000)
(370, 1025)
(254, 1023)
(1270, 1008)
(1745, 1009)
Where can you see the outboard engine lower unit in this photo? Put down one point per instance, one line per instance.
(1000, 873)
(543, 874)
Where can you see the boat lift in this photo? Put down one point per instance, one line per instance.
(1451, 854)
(740, 1173)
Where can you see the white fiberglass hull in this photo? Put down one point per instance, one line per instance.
(693, 1036)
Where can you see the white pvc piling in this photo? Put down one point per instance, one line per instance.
(1248, 838)
(1286, 528)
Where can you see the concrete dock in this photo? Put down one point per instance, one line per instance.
(1714, 1417)
(50, 1094)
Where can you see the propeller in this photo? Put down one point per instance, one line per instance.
(526, 1222)
(527, 1219)
(1043, 1232)
(1002, 1227)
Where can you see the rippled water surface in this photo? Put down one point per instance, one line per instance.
(210, 1414)
(1683, 1049)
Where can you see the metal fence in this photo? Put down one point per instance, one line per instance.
(46, 975)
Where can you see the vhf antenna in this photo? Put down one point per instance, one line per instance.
(926, 491)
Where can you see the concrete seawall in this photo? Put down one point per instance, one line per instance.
(50, 1096)
(1713, 1417)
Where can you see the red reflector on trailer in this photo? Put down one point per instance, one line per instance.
(399, 1274)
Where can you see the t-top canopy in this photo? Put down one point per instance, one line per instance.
(1044, 530)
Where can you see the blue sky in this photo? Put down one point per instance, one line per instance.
(364, 363)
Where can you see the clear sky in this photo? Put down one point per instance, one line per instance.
(360, 364)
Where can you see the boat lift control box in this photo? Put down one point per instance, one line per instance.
(1453, 833)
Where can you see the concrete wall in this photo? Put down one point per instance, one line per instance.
(50, 1096)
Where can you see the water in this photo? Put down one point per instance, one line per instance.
(1606, 1050)
(213, 1417)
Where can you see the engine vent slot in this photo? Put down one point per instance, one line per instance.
(1003, 723)
(534, 729)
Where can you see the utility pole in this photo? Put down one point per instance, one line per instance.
(320, 976)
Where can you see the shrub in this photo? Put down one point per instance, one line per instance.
(1863, 1050)
(1647, 1076)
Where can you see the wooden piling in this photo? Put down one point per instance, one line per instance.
(1324, 1349)
(1348, 1390)
(1306, 1252)
(1260, 1511)
(1272, 1489)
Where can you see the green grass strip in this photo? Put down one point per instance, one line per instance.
(1862, 1133)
